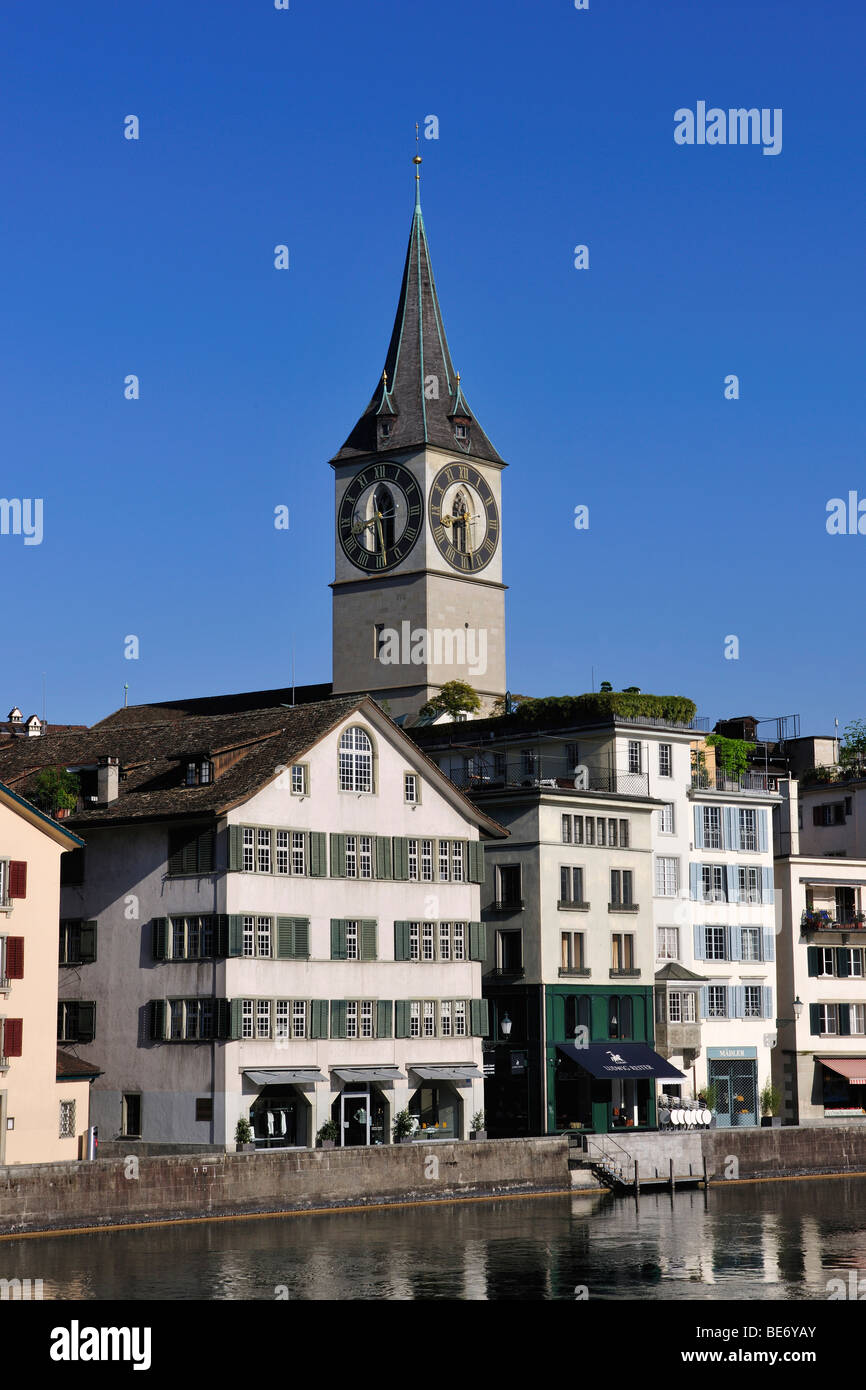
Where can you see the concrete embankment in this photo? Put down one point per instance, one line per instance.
(123, 1191)
(792, 1151)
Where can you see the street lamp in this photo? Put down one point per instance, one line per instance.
(505, 1026)
(798, 1007)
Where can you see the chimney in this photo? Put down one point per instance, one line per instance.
(787, 827)
(107, 780)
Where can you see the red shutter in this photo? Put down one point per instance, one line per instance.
(15, 957)
(13, 1029)
(18, 879)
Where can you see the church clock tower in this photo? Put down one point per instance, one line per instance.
(418, 593)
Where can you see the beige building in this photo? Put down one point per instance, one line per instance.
(44, 1094)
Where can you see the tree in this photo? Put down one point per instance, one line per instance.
(852, 753)
(732, 753)
(56, 790)
(455, 697)
(605, 687)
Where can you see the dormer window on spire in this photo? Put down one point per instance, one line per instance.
(461, 431)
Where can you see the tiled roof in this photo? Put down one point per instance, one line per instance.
(418, 351)
(243, 702)
(69, 1067)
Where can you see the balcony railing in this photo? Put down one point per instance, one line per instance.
(824, 920)
(507, 905)
(488, 771)
(724, 782)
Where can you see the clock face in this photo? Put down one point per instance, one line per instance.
(463, 517)
(380, 517)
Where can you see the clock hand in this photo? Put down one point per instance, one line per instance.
(379, 529)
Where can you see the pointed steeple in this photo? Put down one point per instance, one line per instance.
(418, 399)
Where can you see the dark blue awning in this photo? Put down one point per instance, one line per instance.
(631, 1060)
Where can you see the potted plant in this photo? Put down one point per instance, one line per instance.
(771, 1099)
(244, 1137)
(709, 1097)
(328, 1134)
(478, 1131)
(404, 1127)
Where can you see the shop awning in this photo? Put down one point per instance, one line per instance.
(456, 1071)
(382, 1073)
(291, 1076)
(607, 1061)
(852, 1067)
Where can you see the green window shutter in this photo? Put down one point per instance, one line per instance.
(338, 1018)
(477, 940)
(384, 1009)
(812, 960)
(221, 934)
(815, 1019)
(175, 851)
(189, 855)
(159, 938)
(478, 1013)
(157, 1019)
(235, 849)
(235, 935)
(843, 1013)
(318, 854)
(476, 861)
(400, 856)
(369, 941)
(86, 1023)
(302, 938)
(383, 856)
(401, 945)
(222, 1018)
(401, 1018)
(338, 855)
(338, 939)
(236, 1013)
(205, 848)
(285, 938)
(842, 961)
(318, 1018)
(88, 942)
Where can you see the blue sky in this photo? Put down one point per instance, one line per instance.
(602, 387)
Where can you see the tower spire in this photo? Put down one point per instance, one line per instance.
(417, 161)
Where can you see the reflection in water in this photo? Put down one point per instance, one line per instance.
(768, 1241)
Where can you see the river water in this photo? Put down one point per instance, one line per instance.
(766, 1241)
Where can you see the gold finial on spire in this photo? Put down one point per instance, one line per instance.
(385, 379)
(458, 378)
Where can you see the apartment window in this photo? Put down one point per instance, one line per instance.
(667, 877)
(827, 961)
(178, 938)
(77, 944)
(832, 813)
(634, 755)
(509, 951)
(578, 830)
(414, 940)
(570, 884)
(445, 1028)
(281, 1019)
(444, 940)
(572, 756)
(529, 759)
(247, 1018)
(714, 883)
(682, 1006)
(666, 819)
(299, 1018)
(410, 788)
(459, 940)
(299, 779)
(351, 856)
(415, 1019)
(566, 830)
(622, 951)
(190, 1019)
(365, 845)
(351, 1019)
(282, 851)
(750, 948)
(191, 775)
(754, 1004)
(443, 860)
(857, 1018)
(717, 1001)
(263, 1018)
(429, 1018)
(4, 880)
(249, 859)
(460, 1018)
(589, 830)
(263, 855)
(666, 760)
(509, 884)
(612, 837)
(76, 1021)
(427, 940)
(299, 852)
(263, 937)
(130, 1115)
(352, 952)
(67, 1119)
(366, 1018)
(572, 949)
(748, 830)
(621, 890)
(457, 861)
(712, 816)
(855, 961)
(600, 831)
(412, 857)
(828, 1018)
(249, 936)
(427, 861)
(714, 943)
(749, 885)
(204, 1108)
(356, 761)
(623, 834)
(668, 943)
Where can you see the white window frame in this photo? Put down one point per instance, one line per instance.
(664, 935)
(667, 876)
(667, 819)
(410, 788)
(356, 761)
(666, 760)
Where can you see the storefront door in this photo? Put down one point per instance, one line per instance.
(354, 1118)
(736, 1084)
